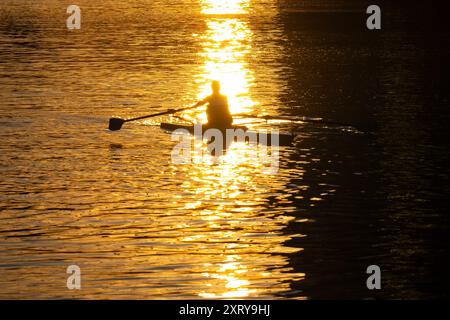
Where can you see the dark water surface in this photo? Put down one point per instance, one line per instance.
(140, 226)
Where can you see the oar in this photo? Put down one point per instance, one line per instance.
(117, 123)
(301, 119)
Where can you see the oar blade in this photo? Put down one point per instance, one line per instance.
(115, 124)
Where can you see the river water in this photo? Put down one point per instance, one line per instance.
(140, 226)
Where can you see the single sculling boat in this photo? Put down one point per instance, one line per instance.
(240, 133)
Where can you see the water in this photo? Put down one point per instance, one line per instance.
(140, 226)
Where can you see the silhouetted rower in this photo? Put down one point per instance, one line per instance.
(217, 111)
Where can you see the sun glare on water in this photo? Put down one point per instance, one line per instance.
(226, 48)
(218, 184)
(225, 7)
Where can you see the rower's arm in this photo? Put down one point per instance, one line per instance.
(201, 102)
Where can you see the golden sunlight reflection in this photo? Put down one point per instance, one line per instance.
(241, 241)
(229, 276)
(226, 47)
(248, 245)
(225, 7)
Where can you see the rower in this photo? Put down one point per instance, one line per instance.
(217, 111)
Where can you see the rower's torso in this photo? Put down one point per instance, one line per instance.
(217, 111)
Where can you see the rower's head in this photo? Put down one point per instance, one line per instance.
(215, 86)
